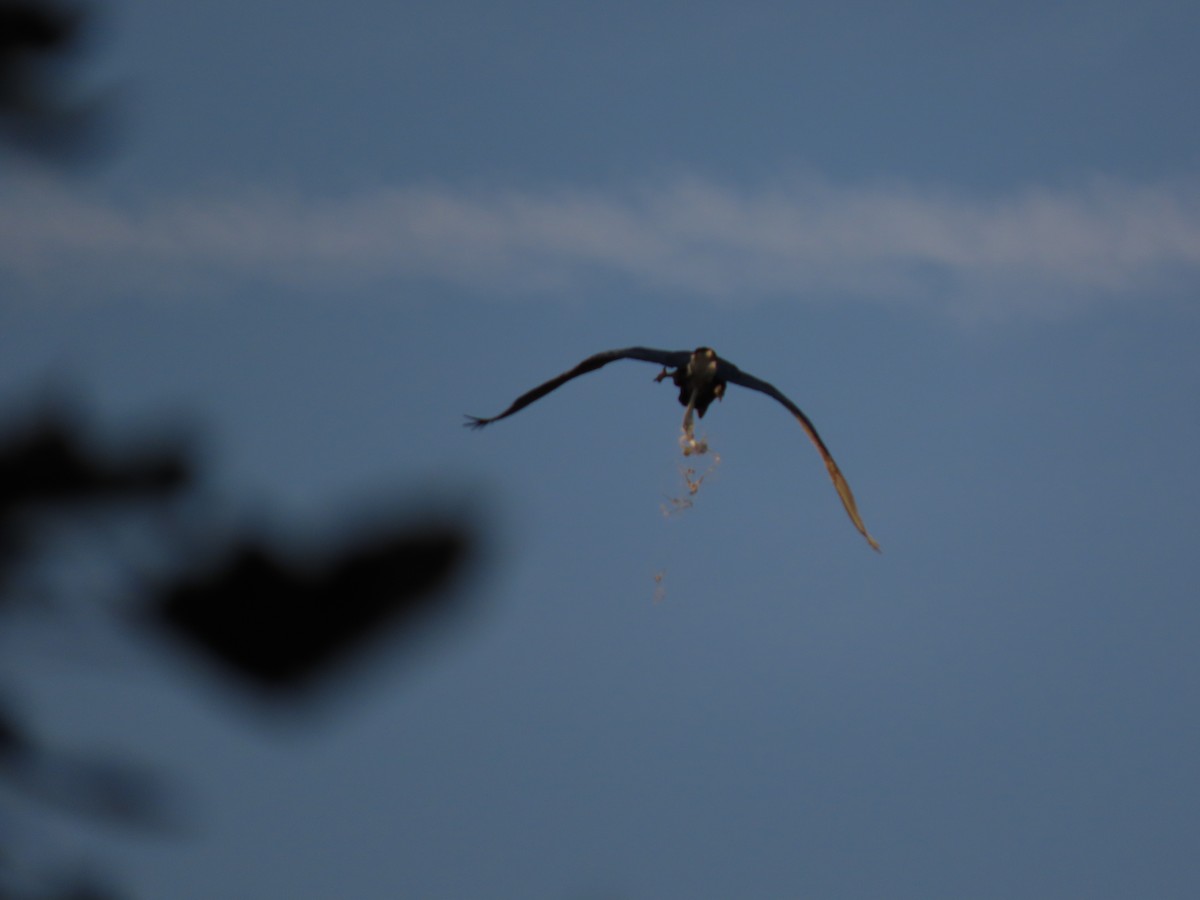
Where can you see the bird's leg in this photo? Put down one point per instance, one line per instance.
(661, 375)
(688, 440)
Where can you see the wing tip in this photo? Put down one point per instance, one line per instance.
(847, 497)
(475, 423)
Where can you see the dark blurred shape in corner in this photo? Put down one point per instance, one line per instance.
(39, 112)
(105, 789)
(279, 614)
(282, 624)
(283, 617)
(46, 463)
(49, 469)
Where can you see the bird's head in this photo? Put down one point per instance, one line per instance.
(703, 364)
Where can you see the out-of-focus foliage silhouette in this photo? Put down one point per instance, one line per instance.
(38, 111)
(109, 790)
(48, 464)
(275, 617)
(48, 472)
(46, 469)
(281, 620)
(280, 623)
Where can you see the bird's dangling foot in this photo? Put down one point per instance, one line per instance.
(687, 441)
(661, 375)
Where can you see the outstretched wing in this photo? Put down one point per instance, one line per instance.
(733, 374)
(669, 358)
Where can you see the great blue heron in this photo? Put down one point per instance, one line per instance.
(701, 377)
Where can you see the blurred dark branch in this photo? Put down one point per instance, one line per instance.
(280, 624)
(281, 620)
(49, 465)
(37, 112)
(48, 470)
(114, 791)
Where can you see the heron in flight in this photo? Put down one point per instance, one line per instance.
(701, 377)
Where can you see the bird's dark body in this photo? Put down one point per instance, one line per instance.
(705, 393)
(701, 377)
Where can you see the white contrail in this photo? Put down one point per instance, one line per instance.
(796, 238)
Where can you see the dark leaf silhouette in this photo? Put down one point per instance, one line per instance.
(113, 791)
(14, 743)
(36, 112)
(50, 464)
(280, 624)
(48, 468)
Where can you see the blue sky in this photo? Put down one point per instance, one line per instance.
(964, 239)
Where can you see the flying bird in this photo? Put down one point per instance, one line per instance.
(701, 377)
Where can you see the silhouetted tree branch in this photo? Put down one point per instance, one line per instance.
(37, 112)
(278, 619)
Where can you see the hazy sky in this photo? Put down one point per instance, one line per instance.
(964, 238)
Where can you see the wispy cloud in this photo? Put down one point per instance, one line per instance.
(799, 238)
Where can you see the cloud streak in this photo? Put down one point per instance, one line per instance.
(1034, 249)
